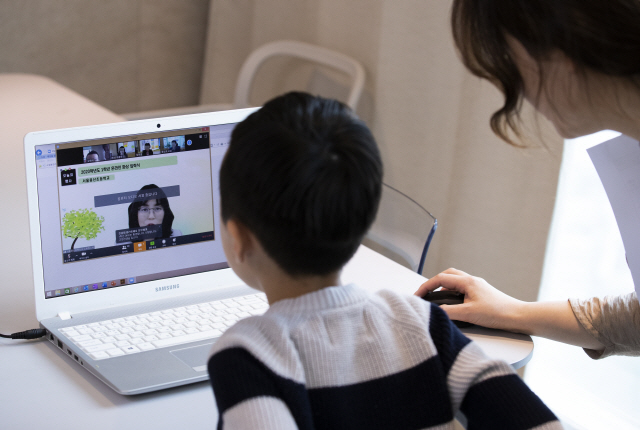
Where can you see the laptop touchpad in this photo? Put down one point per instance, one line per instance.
(194, 357)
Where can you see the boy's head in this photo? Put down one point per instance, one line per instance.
(304, 175)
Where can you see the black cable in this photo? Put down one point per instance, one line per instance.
(27, 334)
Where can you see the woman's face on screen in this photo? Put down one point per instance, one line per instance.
(150, 213)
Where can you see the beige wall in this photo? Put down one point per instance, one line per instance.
(127, 55)
(430, 116)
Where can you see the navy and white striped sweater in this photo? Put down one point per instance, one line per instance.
(342, 358)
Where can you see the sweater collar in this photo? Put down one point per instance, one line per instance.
(326, 298)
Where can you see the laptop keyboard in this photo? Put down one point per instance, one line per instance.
(147, 331)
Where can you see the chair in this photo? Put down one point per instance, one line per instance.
(305, 51)
(403, 229)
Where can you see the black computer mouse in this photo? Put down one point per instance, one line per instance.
(446, 297)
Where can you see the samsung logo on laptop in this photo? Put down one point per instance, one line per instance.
(167, 287)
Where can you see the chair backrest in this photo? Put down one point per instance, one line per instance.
(305, 51)
(403, 229)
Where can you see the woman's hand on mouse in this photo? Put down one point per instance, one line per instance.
(483, 304)
(486, 306)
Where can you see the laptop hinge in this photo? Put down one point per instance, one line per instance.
(64, 316)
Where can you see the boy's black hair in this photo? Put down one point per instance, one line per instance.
(304, 174)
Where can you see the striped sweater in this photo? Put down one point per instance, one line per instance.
(343, 358)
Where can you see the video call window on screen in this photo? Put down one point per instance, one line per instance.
(140, 148)
(148, 147)
(173, 144)
(108, 151)
(116, 199)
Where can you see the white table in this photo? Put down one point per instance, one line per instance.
(40, 387)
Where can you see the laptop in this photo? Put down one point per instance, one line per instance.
(130, 278)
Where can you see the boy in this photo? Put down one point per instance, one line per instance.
(300, 186)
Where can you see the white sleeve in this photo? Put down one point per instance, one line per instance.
(266, 413)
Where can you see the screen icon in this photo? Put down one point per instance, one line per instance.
(57, 293)
(131, 280)
(104, 285)
(113, 283)
(86, 288)
(76, 289)
(68, 177)
(67, 291)
(48, 293)
(123, 281)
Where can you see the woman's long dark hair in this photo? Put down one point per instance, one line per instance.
(598, 35)
(162, 200)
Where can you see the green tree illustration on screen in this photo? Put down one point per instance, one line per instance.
(83, 223)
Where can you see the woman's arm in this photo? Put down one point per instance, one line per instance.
(555, 321)
(486, 306)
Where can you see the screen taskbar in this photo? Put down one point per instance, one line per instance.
(82, 254)
(112, 283)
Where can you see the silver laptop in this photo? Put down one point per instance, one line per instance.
(131, 281)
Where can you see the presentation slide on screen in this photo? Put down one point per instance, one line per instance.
(134, 204)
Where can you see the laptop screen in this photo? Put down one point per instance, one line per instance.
(121, 211)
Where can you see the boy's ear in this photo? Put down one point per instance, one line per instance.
(241, 239)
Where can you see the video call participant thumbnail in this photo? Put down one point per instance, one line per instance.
(92, 157)
(147, 149)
